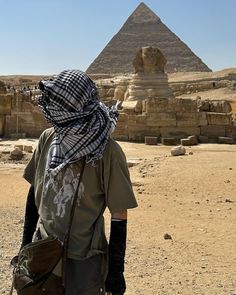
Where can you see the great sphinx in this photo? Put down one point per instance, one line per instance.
(150, 79)
(149, 60)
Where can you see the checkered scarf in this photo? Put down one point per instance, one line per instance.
(82, 124)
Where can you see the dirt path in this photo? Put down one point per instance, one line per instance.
(192, 198)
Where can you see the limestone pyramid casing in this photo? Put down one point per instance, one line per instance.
(144, 28)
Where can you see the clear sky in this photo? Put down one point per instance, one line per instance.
(47, 36)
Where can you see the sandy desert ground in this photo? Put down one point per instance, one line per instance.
(192, 198)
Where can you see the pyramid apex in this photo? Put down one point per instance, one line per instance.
(143, 14)
(142, 4)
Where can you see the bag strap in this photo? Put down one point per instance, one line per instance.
(72, 213)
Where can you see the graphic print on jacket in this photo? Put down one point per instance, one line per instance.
(63, 186)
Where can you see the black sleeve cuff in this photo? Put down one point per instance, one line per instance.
(115, 281)
(31, 218)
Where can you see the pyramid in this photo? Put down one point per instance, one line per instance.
(144, 28)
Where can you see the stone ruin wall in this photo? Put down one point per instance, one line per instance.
(176, 119)
(170, 118)
(20, 116)
(161, 117)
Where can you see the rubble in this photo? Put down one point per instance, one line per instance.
(178, 151)
(16, 154)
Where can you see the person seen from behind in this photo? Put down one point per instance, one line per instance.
(81, 129)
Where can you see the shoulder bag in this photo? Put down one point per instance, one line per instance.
(33, 267)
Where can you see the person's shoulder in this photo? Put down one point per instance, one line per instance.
(47, 132)
(113, 146)
(114, 150)
(45, 135)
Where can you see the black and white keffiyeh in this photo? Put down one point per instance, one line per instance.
(82, 123)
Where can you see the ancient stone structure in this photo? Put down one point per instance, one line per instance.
(150, 109)
(174, 119)
(20, 116)
(149, 79)
(144, 28)
(149, 60)
(167, 119)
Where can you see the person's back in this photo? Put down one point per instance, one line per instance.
(81, 130)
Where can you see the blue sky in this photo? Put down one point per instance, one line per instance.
(47, 36)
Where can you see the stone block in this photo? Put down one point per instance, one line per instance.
(187, 105)
(134, 106)
(161, 119)
(220, 106)
(6, 151)
(137, 120)
(230, 131)
(203, 105)
(190, 140)
(219, 119)
(185, 141)
(122, 118)
(138, 133)
(141, 119)
(151, 140)
(213, 131)
(170, 141)
(5, 104)
(226, 140)
(203, 139)
(191, 119)
(19, 146)
(16, 154)
(179, 132)
(119, 132)
(120, 126)
(28, 148)
(178, 151)
(193, 139)
(159, 105)
(136, 136)
(213, 140)
(133, 162)
(131, 119)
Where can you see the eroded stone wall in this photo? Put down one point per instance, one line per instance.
(175, 118)
(20, 116)
(160, 117)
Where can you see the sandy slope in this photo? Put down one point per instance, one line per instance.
(192, 198)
